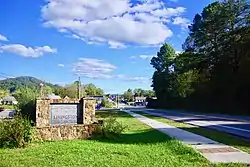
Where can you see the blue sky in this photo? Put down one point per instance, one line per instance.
(108, 43)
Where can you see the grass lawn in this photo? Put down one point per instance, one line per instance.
(139, 146)
(219, 136)
(7, 106)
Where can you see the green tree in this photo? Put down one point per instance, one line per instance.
(162, 77)
(47, 90)
(91, 89)
(128, 95)
(218, 37)
(26, 98)
(3, 93)
(213, 71)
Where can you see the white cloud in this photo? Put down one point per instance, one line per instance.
(116, 45)
(138, 79)
(146, 57)
(117, 23)
(93, 68)
(183, 22)
(27, 51)
(132, 57)
(133, 79)
(100, 69)
(61, 65)
(168, 12)
(3, 38)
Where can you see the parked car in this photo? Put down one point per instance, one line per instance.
(1, 109)
(139, 104)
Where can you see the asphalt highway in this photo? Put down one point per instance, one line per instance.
(236, 125)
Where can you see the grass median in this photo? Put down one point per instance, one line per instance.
(240, 143)
(139, 145)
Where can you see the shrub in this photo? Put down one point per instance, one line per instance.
(110, 129)
(107, 104)
(26, 102)
(16, 132)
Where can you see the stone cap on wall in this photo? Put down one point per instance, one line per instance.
(59, 100)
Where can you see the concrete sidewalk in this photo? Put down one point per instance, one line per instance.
(215, 152)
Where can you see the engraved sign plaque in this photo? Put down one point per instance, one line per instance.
(62, 114)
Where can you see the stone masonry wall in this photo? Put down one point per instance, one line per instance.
(89, 111)
(43, 110)
(44, 131)
(64, 132)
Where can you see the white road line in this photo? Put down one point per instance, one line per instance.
(245, 130)
(205, 123)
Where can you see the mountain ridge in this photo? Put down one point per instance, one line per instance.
(20, 82)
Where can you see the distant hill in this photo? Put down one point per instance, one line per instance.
(21, 82)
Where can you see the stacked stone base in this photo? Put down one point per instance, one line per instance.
(65, 132)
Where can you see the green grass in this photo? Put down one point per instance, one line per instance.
(7, 106)
(131, 103)
(219, 136)
(139, 146)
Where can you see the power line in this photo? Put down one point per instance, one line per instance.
(4, 75)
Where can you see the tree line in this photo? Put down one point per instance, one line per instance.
(212, 72)
(21, 85)
(130, 94)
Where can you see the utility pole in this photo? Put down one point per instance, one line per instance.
(117, 100)
(78, 89)
(41, 90)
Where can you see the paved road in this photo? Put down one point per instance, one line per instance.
(236, 125)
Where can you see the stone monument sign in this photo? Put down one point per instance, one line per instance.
(61, 119)
(62, 114)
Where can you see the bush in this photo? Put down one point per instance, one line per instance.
(16, 132)
(110, 129)
(28, 110)
(106, 104)
(26, 102)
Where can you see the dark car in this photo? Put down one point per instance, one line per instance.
(1, 109)
(139, 104)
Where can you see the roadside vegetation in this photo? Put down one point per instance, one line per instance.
(212, 72)
(107, 104)
(15, 133)
(9, 107)
(138, 145)
(242, 144)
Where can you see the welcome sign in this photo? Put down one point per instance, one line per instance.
(62, 114)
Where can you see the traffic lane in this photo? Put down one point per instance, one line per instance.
(241, 129)
(186, 117)
(228, 128)
(210, 115)
(197, 116)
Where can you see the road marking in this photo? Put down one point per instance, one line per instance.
(230, 119)
(245, 130)
(207, 123)
(239, 129)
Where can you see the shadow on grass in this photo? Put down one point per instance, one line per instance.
(144, 137)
